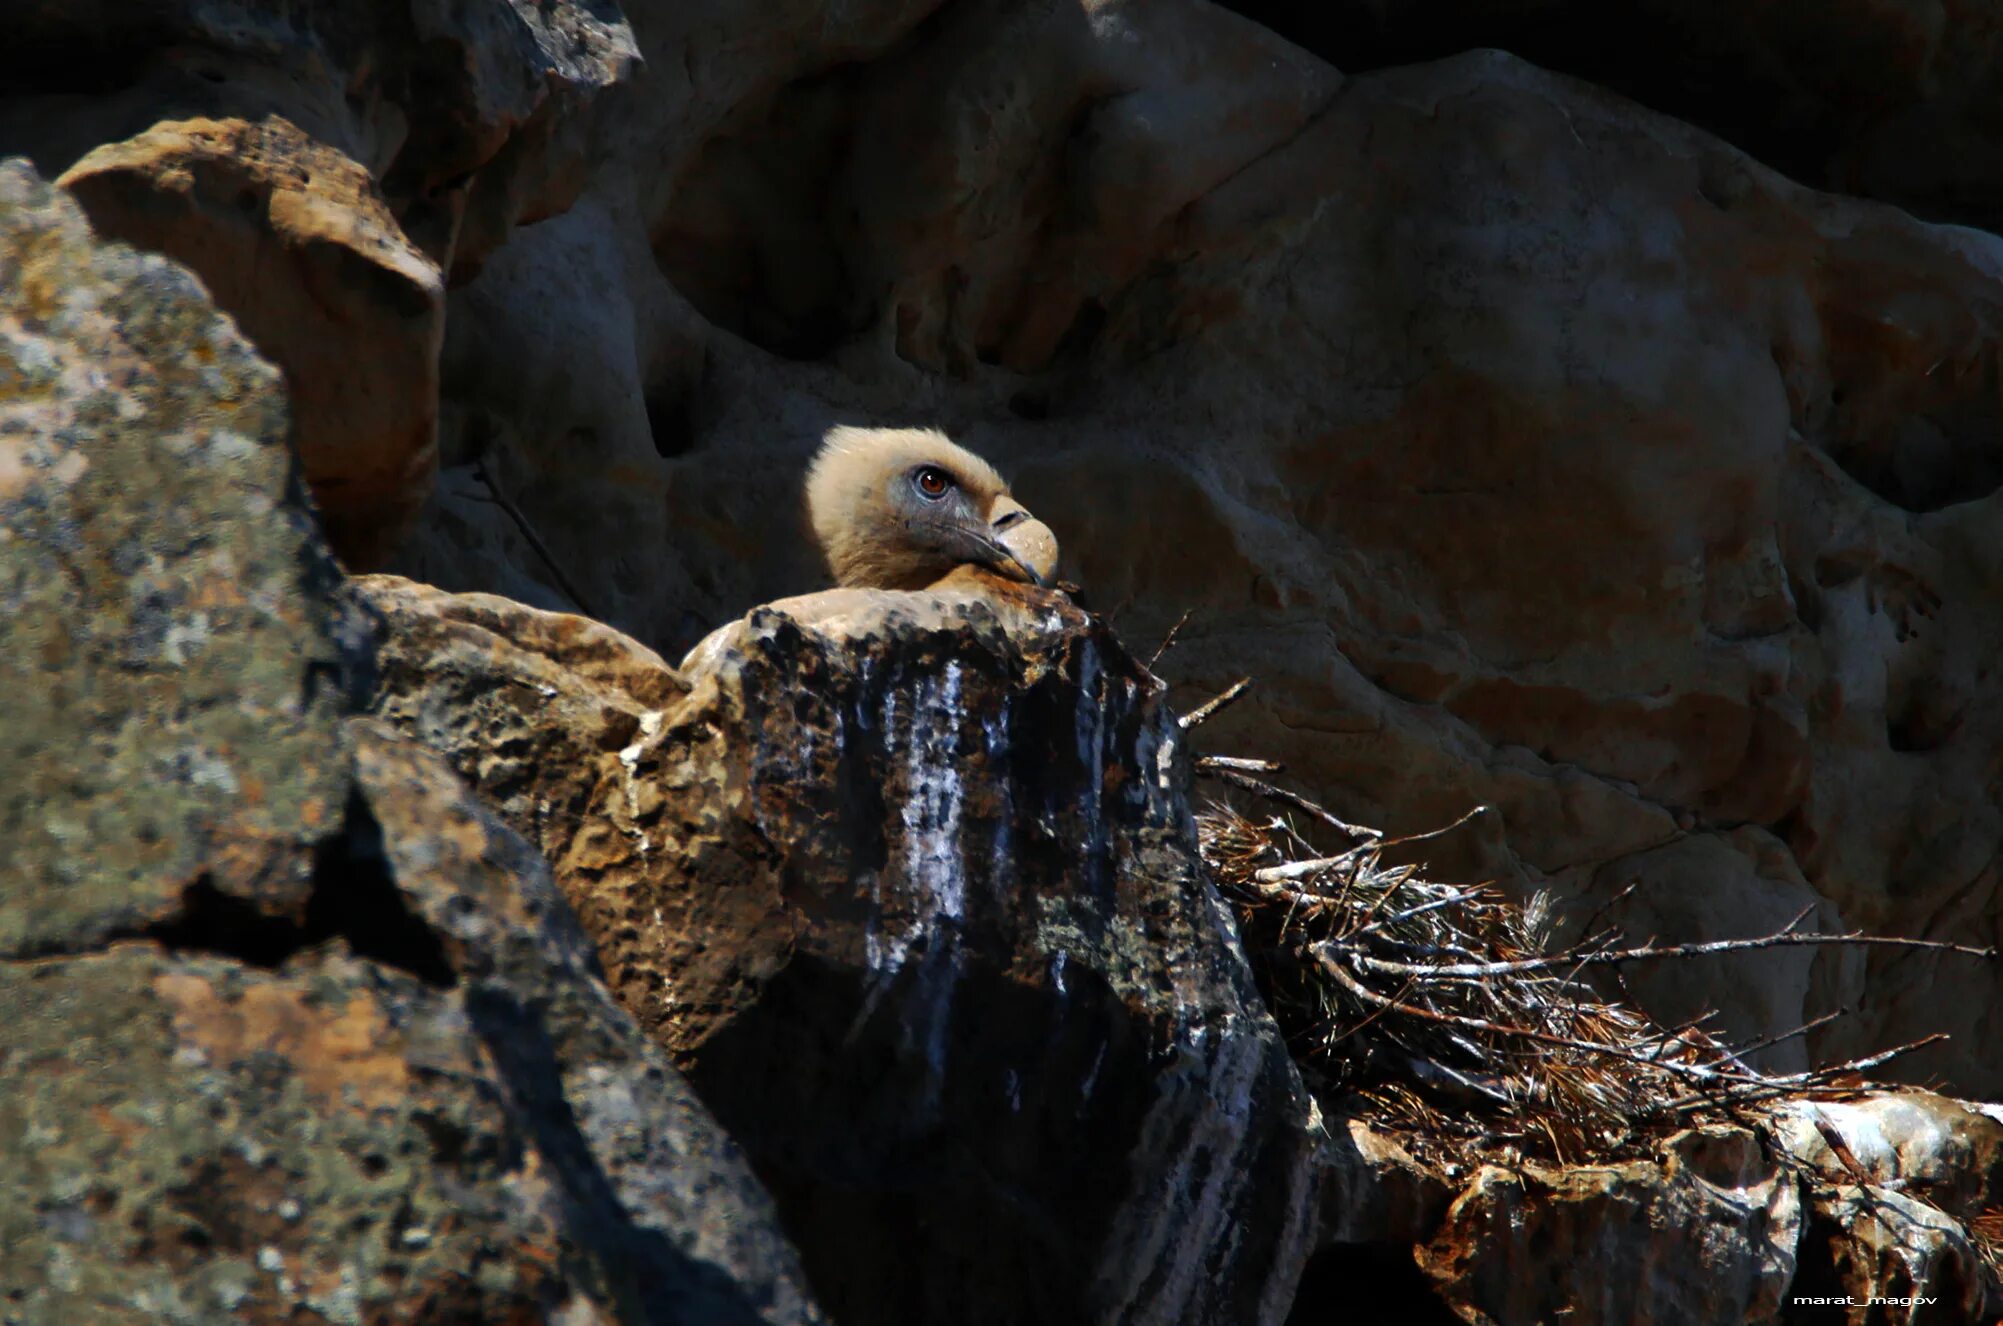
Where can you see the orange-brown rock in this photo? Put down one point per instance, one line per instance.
(292, 237)
(908, 883)
(1708, 1233)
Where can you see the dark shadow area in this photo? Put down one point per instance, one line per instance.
(1357, 1285)
(651, 1280)
(1796, 86)
(354, 899)
(963, 1170)
(753, 238)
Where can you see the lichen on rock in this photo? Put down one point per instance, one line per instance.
(296, 1028)
(908, 882)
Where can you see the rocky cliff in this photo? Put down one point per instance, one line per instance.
(1580, 429)
(297, 1029)
(1533, 446)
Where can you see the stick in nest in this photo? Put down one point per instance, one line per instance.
(1373, 969)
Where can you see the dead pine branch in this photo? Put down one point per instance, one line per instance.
(1661, 952)
(1210, 708)
(1214, 763)
(1294, 799)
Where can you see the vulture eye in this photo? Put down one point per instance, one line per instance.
(931, 482)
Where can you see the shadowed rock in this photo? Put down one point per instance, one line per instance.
(296, 1029)
(907, 881)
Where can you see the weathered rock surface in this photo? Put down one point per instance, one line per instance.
(1896, 101)
(908, 883)
(1722, 1224)
(292, 238)
(1531, 449)
(324, 169)
(1707, 1234)
(902, 1031)
(296, 1029)
(1890, 1215)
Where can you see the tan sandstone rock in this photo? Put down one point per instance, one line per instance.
(294, 240)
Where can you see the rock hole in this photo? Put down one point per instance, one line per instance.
(1921, 723)
(355, 896)
(1083, 331)
(671, 421)
(212, 921)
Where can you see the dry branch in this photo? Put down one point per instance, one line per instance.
(1444, 1002)
(1216, 704)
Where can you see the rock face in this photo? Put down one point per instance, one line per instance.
(1708, 1234)
(1890, 101)
(1722, 1226)
(980, 1033)
(292, 236)
(324, 170)
(907, 882)
(1530, 448)
(296, 1029)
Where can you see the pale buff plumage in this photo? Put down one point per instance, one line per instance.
(878, 527)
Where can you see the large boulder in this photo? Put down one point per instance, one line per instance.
(296, 1028)
(967, 1007)
(325, 173)
(908, 883)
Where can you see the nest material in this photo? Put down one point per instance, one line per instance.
(1445, 1008)
(1363, 964)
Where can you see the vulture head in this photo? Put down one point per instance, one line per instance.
(900, 508)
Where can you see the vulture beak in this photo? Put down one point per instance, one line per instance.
(1024, 546)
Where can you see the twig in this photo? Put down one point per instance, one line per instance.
(1297, 801)
(1794, 1082)
(1768, 1042)
(1211, 763)
(1429, 834)
(1168, 641)
(535, 541)
(1216, 704)
(1606, 907)
(1841, 1150)
(1650, 953)
(1699, 1072)
(1293, 870)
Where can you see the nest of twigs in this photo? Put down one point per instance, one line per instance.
(1447, 1008)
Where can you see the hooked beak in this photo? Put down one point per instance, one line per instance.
(1022, 541)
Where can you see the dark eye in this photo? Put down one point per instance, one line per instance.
(931, 482)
